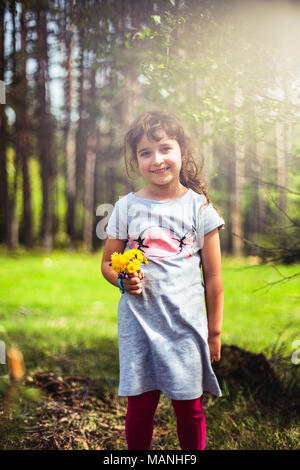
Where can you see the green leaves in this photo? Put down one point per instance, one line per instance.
(156, 19)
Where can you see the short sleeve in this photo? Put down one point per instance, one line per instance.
(208, 220)
(117, 224)
(211, 219)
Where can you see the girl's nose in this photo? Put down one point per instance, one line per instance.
(158, 157)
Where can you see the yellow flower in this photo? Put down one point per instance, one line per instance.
(128, 262)
(136, 254)
(117, 262)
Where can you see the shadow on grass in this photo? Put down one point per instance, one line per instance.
(97, 360)
(69, 401)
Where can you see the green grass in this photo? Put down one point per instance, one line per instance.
(57, 307)
(62, 314)
(51, 303)
(257, 307)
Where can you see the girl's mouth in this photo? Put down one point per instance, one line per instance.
(161, 171)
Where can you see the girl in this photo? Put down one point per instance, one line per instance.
(166, 341)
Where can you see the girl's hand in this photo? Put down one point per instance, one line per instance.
(133, 284)
(214, 343)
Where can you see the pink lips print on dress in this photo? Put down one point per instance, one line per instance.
(159, 243)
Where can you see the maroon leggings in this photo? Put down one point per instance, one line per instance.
(139, 421)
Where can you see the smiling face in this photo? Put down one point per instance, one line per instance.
(159, 161)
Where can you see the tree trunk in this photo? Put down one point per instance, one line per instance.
(251, 169)
(4, 223)
(24, 136)
(81, 131)
(69, 148)
(131, 91)
(236, 195)
(89, 175)
(89, 184)
(44, 126)
(260, 158)
(281, 176)
(13, 223)
(207, 150)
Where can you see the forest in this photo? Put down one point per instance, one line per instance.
(77, 74)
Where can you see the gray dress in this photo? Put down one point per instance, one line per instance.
(162, 332)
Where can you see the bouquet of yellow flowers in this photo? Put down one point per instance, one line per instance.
(125, 264)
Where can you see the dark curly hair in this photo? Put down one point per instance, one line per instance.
(149, 124)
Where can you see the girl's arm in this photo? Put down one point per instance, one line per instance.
(214, 292)
(133, 284)
(111, 245)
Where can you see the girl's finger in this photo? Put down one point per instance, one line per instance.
(133, 278)
(136, 291)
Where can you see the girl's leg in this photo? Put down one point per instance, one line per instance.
(191, 427)
(139, 421)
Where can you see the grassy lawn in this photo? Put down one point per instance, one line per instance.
(59, 308)
(258, 309)
(62, 314)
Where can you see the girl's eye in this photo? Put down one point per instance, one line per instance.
(145, 154)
